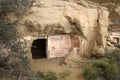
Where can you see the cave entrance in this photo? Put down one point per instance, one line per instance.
(38, 49)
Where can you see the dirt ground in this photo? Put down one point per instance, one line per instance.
(55, 65)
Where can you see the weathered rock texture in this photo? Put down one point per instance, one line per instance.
(114, 27)
(53, 17)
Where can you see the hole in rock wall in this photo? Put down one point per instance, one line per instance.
(55, 46)
(38, 48)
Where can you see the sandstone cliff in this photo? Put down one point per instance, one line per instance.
(93, 22)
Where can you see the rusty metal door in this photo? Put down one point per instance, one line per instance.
(58, 46)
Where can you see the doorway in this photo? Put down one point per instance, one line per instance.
(38, 48)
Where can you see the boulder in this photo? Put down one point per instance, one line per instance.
(98, 51)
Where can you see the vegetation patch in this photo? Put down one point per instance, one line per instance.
(14, 64)
(107, 68)
(50, 75)
(63, 75)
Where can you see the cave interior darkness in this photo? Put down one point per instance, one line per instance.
(38, 48)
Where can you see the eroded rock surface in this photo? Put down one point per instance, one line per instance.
(51, 17)
(89, 20)
(113, 39)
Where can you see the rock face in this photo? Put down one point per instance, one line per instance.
(113, 39)
(54, 17)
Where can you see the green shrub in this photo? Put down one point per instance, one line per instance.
(48, 76)
(101, 68)
(39, 75)
(114, 56)
(108, 69)
(51, 76)
(63, 75)
(91, 72)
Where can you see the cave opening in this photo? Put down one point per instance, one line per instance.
(38, 48)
